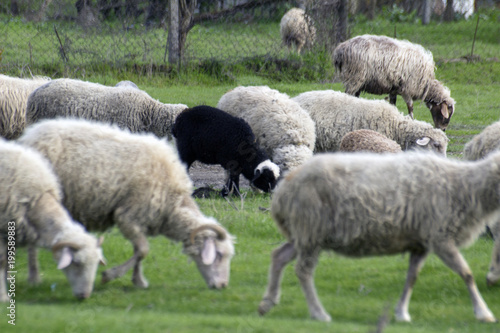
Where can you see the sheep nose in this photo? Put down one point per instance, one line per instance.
(218, 285)
(82, 296)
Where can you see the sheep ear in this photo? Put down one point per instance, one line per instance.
(65, 259)
(208, 253)
(423, 141)
(444, 111)
(256, 175)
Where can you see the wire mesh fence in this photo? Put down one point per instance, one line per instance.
(94, 34)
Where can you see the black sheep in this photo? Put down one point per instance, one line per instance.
(212, 136)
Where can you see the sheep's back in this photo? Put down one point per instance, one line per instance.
(483, 143)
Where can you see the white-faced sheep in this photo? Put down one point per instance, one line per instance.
(136, 182)
(481, 145)
(336, 113)
(281, 126)
(382, 204)
(380, 65)
(484, 143)
(31, 214)
(14, 94)
(297, 28)
(365, 140)
(212, 136)
(128, 108)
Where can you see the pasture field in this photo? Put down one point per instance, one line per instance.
(359, 294)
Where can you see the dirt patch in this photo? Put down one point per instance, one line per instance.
(204, 175)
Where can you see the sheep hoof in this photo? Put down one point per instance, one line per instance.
(403, 317)
(140, 283)
(265, 305)
(106, 277)
(322, 317)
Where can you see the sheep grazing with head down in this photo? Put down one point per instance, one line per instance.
(416, 203)
(136, 182)
(336, 113)
(282, 128)
(381, 65)
(212, 136)
(31, 214)
(14, 94)
(364, 140)
(297, 28)
(123, 105)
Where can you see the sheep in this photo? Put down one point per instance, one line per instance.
(128, 108)
(412, 202)
(213, 136)
(127, 83)
(368, 141)
(282, 128)
(380, 65)
(296, 28)
(136, 182)
(31, 213)
(484, 143)
(336, 113)
(14, 94)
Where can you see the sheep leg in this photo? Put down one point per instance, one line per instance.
(494, 272)
(280, 257)
(416, 262)
(3, 272)
(141, 249)
(33, 267)
(452, 257)
(304, 269)
(409, 105)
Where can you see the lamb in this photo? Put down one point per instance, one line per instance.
(31, 213)
(282, 128)
(364, 140)
(380, 65)
(336, 113)
(128, 108)
(484, 143)
(136, 182)
(335, 202)
(296, 28)
(14, 94)
(213, 136)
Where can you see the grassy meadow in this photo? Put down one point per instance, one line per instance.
(359, 294)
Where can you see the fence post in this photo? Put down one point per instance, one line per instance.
(173, 33)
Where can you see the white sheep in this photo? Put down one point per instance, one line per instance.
(14, 94)
(31, 214)
(336, 113)
(380, 65)
(382, 204)
(136, 182)
(484, 143)
(282, 128)
(364, 140)
(481, 145)
(128, 108)
(297, 28)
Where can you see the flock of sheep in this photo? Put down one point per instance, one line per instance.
(114, 156)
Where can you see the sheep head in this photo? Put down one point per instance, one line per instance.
(212, 249)
(79, 262)
(266, 175)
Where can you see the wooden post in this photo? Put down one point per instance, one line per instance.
(173, 33)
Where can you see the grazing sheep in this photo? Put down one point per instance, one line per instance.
(31, 213)
(484, 143)
(212, 136)
(481, 145)
(131, 109)
(296, 28)
(364, 140)
(136, 182)
(336, 114)
(14, 94)
(380, 65)
(281, 126)
(416, 203)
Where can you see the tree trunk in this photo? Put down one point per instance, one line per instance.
(186, 10)
(173, 33)
(448, 11)
(14, 7)
(341, 29)
(426, 17)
